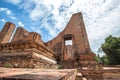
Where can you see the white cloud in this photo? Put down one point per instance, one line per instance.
(3, 20)
(101, 16)
(6, 10)
(3, 9)
(36, 13)
(12, 17)
(103, 27)
(15, 2)
(21, 24)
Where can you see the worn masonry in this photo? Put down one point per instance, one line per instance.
(28, 47)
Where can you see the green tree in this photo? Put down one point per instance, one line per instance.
(111, 47)
(103, 59)
(97, 58)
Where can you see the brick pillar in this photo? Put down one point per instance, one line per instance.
(6, 32)
(20, 34)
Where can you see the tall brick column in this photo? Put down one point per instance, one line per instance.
(6, 32)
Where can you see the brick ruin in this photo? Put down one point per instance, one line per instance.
(70, 49)
(78, 52)
(25, 45)
(6, 32)
(25, 49)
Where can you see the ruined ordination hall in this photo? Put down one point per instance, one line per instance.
(69, 50)
(77, 51)
(26, 49)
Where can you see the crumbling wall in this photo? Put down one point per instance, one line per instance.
(29, 54)
(76, 54)
(111, 74)
(74, 31)
(26, 49)
(20, 34)
(23, 35)
(25, 61)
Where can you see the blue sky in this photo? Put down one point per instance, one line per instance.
(49, 17)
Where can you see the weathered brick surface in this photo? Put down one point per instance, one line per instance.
(100, 73)
(24, 52)
(20, 34)
(75, 31)
(6, 32)
(22, 45)
(37, 74)
(27, 50)
(23, 35)
(25, 61)
(77, 54)
(111, 76)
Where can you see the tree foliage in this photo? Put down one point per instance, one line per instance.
(103, 59)
(111, 47)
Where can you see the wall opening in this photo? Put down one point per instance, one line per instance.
(68, 39)
(68, 42)
(68, 47)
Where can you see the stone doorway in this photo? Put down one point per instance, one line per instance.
(68, 51)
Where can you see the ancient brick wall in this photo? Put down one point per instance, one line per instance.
(24, 61)
(6, 32)
(20, 34)
(111, 74)
(74, 31)
(17, 52)
(27, 54)
(23, 35)
(77, 54)
(34, 36)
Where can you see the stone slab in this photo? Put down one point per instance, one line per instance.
(37, 74)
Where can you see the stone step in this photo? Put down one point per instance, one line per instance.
(37, 74)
